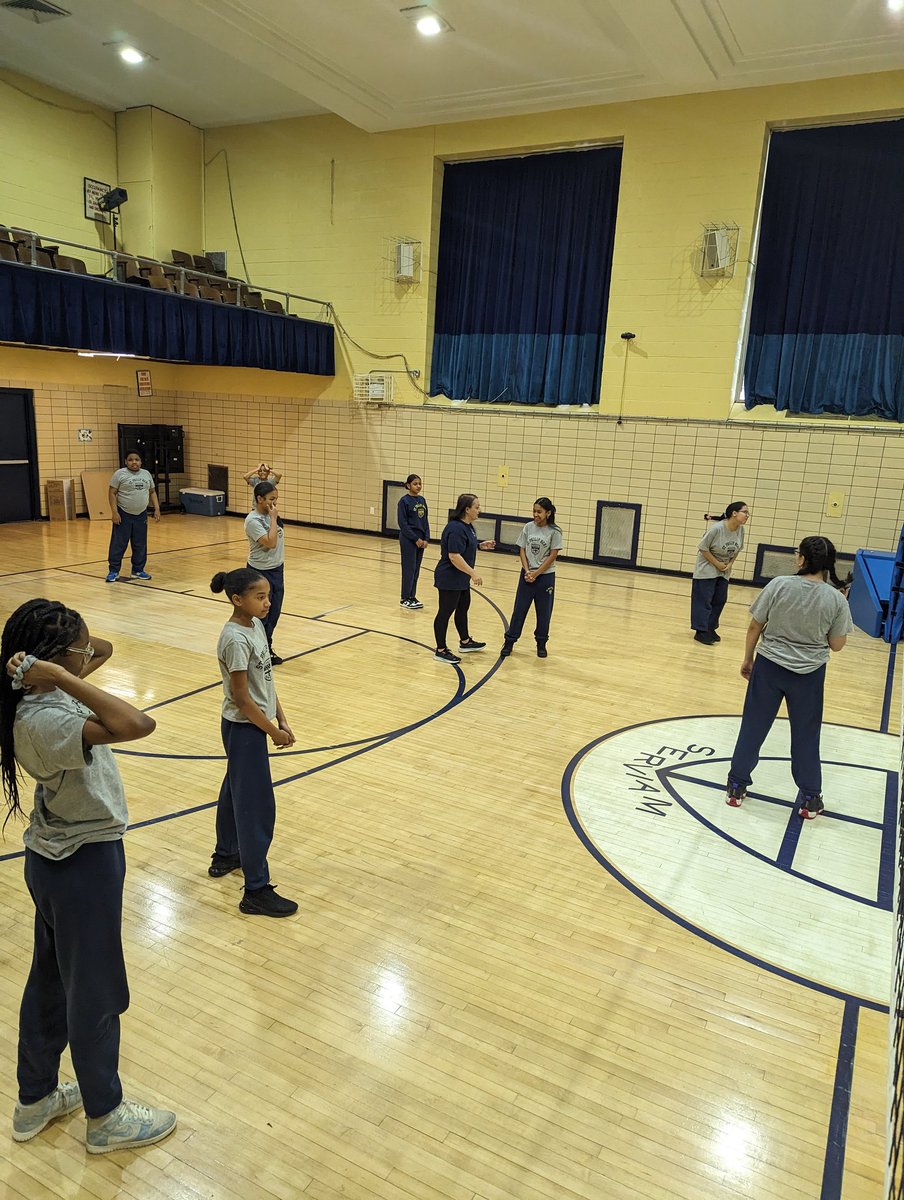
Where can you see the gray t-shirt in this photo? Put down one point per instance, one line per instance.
(723, 544)
(256, 527)
(133, 489)
(78, 792)
(243, 649)
(536, 541)
(800, 615)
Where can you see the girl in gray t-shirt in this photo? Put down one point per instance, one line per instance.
(246, 808)
(796, 621)
(716, 553)
(539, 543)
(266, 553)
(58, 727)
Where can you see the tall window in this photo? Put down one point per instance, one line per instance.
(827, 316)
(525, 255)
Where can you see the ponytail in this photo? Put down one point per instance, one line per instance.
(545, 503)
(818, 554)
(730, 510)
(235, 583)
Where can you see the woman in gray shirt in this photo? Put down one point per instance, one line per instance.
(797, 621)
(716, 553)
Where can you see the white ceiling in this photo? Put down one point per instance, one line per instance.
(222, 62)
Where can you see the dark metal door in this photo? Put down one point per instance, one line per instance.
(18, 457)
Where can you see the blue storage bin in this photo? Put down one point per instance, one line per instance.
(203, 502)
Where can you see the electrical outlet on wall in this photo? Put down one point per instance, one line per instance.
(373, 511)
(835, 504)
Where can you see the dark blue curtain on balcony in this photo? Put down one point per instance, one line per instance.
(827, 318)
(525, 254)
(48, 308)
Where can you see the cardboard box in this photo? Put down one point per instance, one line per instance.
(60, 499)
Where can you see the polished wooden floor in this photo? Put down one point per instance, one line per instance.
(468, 1005)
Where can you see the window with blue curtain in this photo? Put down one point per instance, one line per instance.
(525, 256)
(827, 315)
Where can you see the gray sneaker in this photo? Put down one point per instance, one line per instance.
(128, 1126)
(30, 1119)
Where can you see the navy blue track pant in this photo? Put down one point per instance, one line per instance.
(708, 598)
(132, 527)
(246, 808)
(77, 986)
(275, 576)
(541, 594)
(803, 694)
(411, 566)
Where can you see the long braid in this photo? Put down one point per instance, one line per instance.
(44, 628)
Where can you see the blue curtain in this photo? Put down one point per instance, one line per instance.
(525, 254)
(827, 317)
(47, 308)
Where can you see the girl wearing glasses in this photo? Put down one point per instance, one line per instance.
(716, 554)
(58, 727)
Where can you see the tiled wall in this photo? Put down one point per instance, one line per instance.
(335, 457)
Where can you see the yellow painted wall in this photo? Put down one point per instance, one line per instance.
(160, 167)
(49, 141)
(687, 160)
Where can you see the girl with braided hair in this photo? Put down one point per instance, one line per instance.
(58, 727)
(796, 621)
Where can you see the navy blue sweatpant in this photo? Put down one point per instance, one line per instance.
(275, 576)
(132, 527)
(541, 594)
(246, 808)
(803, 694)
(411, 566)
(77, 985)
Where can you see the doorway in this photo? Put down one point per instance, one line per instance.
(19, 497)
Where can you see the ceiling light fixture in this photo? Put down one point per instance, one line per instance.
(427, 22)
(895, 6)
(130, 54)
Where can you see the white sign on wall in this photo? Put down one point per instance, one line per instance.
(94, 190)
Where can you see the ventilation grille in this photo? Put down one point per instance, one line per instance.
(38, 11)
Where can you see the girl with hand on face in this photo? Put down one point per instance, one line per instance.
(453, 576)
(246, 808)
(796, 622)
(716, 553)
(59, 728)
(266, 554)
(414, 534)
(539, 543)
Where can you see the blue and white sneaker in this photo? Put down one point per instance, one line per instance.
(112, 577)
(141, 575)
(30, 1119)
(128, 1126)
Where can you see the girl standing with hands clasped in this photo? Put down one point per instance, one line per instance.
(266, 554)
(716, 553)
(539, 543)
(453, 576)
(246, 808)
(414, 534)
(798, 621)
(59, 728)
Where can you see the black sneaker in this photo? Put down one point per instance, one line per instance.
(470, 646)
(542, 652)
(810, 807)
(507, 648)
(446, 656)
(275, 659)
(735, 795)
(264, 902)
(704, 638)
(715, 637)
(223, 864)
(414, 603)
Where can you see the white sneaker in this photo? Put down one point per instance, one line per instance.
(30, 1119)
(128, 1126)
